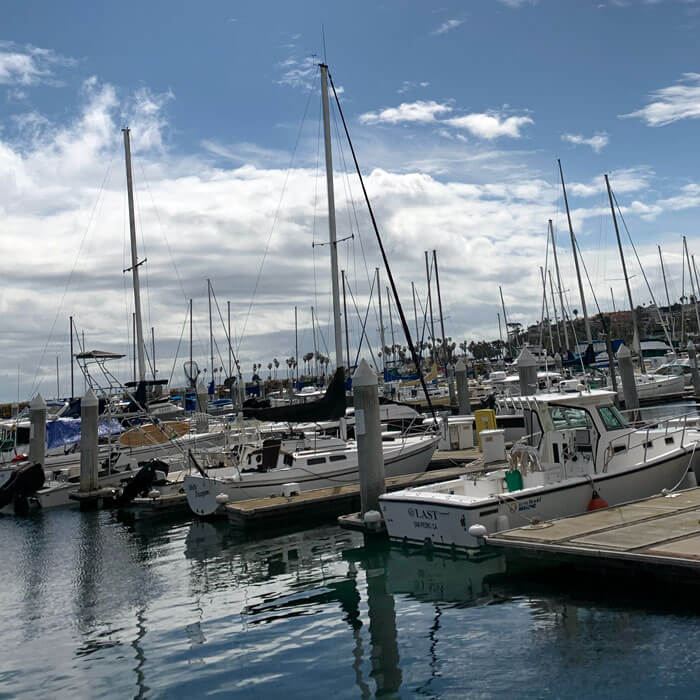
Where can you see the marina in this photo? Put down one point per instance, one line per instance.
(350, 350)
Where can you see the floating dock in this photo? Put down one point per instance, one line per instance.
(327, 502)
(660, 535)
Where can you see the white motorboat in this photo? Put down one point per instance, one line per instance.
(278, 471)
(581, 446)
(655, 386)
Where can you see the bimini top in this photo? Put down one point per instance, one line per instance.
(98, 355)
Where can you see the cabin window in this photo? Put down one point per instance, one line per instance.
(612, 418)
(567, 417)
(337, 458)
(316, 460)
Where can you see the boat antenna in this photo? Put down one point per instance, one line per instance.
(399, 307)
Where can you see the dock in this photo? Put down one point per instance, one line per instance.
(659, 535)
(327, 502)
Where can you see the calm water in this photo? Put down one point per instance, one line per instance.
(92, 607)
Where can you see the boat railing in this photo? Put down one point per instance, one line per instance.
(671, 427)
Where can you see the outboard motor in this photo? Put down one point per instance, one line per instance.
(140, 483)
(24, 482)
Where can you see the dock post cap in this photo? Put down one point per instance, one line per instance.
(89, 399)
(37, 403)
(526, 359)
(623, 352)
(372, 516)
(460, 366)
(364, 376)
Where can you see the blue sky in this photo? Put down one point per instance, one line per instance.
(458, 111)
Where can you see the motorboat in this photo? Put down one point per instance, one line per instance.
(579, 448)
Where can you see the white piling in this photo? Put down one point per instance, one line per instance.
(89, 409)
(463, 398)
(451, 384)
(692, 356)
(527, 372)
(368, 433)
(37, 430)
(629, 387)
(558, 362)
(202, 398)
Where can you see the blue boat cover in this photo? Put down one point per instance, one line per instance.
(63, 432)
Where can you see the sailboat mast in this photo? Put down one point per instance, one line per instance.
(635, 329)
(415, 311)
(313, 333)
(381, 317)
(296, 345)
(72, 360)
(391, 326)
(153, 351)
(561, 293)
(430, 300)
(134, 258)
(505, 321)
(554, 309)
(211, 333)
(668, 297)
(442, 321)
(546, 309)
(345, 318)
(692, 282)
(230, 349)
(587, 323)
(331, 218)
(190, 335)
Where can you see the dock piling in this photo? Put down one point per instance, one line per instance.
(368, 433)
(692, 356)
(37, 430)
(89, 407)
(463, 398)
(527, 372)
(629, 387)
(558, 362)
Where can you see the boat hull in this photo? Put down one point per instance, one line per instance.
(415, 517)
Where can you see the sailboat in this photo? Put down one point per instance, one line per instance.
(325, 465)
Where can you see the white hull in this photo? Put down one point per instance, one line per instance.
(411, 516)
(201, 491)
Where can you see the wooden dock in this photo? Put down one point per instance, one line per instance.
(329, 502)
(660, 535)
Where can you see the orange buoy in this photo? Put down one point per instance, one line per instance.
(596, 502)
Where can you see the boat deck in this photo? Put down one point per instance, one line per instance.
(660, 533)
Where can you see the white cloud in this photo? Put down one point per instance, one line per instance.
(29, 65)
(670, 104)
(490, 125)
(299, 73)
(447, 26)
(417, 112)
(412, 85)
(597, 142)
(623, 180)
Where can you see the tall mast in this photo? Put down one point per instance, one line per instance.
(313, 332)
(668, 297)
(430, 299)
(345, 318)
(442, 321)
(546, 308)
(505, 320)
(391, 326)
(561, 293)
(554, 308)
(500, 333)
(191, 335)
(692, 282)
(72, 377)
(230, 349)
(133, 338)
(153, 351)
(381, 317)
(415, 311)
(331, 218)
(587, 323)
(134, 258)
(296, 345)
(211, 334)
(683, 297)
(635, 329)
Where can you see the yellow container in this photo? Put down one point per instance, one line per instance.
(484, 419)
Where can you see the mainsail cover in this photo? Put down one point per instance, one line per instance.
(329, 407)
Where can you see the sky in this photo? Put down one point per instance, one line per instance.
(458, 112)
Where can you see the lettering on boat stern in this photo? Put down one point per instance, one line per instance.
(193, 488)
(425, 518)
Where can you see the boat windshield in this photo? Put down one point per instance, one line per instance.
(566, 417)
(612, 418)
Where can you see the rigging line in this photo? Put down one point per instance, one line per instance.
(399, 307)
(274, 221)
(144, 253)
(70, 276)
(170, 253)
(225, 327)
(177, 351)
(639, 262)
(364, 325)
